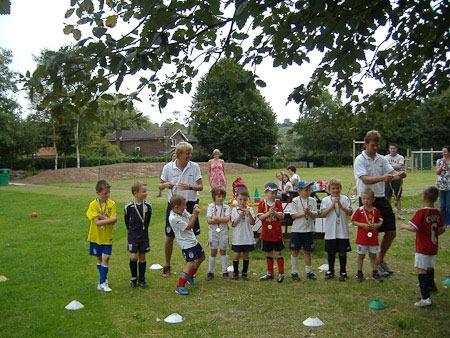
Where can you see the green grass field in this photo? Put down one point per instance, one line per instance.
(45, 260)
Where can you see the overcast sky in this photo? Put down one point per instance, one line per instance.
(35, 25)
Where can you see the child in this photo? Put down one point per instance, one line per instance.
(335, 209)
(102, 216)
(304, 212)
(137, 218)
(270, 212)
(182, 223)
(242, 218)
(368, 219)
(218, 216)
(428, 224)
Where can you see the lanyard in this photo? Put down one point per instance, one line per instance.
(141, 216)
(370, 218)
(338, 213)
(103, 211)
(303, 207)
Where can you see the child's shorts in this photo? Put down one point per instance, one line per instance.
(98, 250)
(271, 246)
(194, 253)
(337, 245)
(303, 240)
(243, 248)
(218, 240)
(139, 247)
(424, 261)
(363, 249)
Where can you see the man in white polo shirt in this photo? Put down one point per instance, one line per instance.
(373, 171)
(181, 177)
(397, 162)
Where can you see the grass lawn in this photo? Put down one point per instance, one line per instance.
(45, 260)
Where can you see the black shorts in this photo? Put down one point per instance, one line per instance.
(139, 247)
(303, 240)
(189, 207)
(243, 248)
(194, 253)
(395, 188)
(382, 204)
(271, 246)
(339, 245)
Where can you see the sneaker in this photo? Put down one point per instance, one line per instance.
(181, 290)
(329, 275)
(209, 276)
(105, 288)
(98, 287)
(266, 277)
(280, 278)
(377, 276)
(386, 268)
(166, 271)
(235, 276)
(360, 277)
(225, 275)
(311, 275)
(382, 272)
(295, 277)
(423, 302)
(244, 276)
(191, 280)
(143, 284)
(343, 277)
(133, 283)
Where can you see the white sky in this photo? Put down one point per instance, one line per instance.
(35, 25)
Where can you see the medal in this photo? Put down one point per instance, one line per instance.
(369, 221)
(269, 227)
(218, 230)
(369, 234)
(338, 221)
(141, 217)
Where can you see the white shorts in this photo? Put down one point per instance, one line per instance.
(424, 261)
(218, 240)
(363, 249)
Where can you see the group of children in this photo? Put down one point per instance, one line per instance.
(335, 209)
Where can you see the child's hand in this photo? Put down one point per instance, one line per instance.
(388, 178)
(184, 186)
(196, 209)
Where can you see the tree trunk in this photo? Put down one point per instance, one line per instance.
(77, 140)
(54, 145)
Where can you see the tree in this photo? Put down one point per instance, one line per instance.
(229, 113)
(169, 40)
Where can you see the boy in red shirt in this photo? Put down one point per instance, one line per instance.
(368, 219)
(428, 224)
(270, 212)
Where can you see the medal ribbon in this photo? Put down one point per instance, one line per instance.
(141, 216)
(301, 202)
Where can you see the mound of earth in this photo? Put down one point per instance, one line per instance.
(117, 171)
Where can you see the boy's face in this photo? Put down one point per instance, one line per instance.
(335, 190)
(185, 156)
(104, 194)
(392, 150)
(242, 200)
(141, 194)
(270, 195)
(218, 199)
(305, 192)
(371, 148)
(179, 209)
(367, 200)
(279, 176)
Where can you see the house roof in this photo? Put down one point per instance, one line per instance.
(153, 134)
(46, 152)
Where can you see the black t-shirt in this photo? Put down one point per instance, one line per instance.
(138, 228)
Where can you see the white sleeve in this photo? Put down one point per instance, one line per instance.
(347, 202)
(234, 214)
(210, 211)
(325, 203)
(387, 168)
(227, 210)
(197, 172)
(164, 177)
(401, 160)
(359, 167)
(313, 204)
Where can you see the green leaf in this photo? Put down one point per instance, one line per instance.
(68, 29)
(107, 97)
(76, 34)
(69, 13)
(99, 31)
(111, 21)
(260, 83)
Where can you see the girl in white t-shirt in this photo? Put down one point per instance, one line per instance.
(335, 209)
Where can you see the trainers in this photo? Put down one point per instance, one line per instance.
(386, 268)
(225, 275)
(181, 290)
(98, 287)
(191, 280)
(423, 302)
(311, 275)
(166, 271)
(343, 277)
(235, 276)
(209, 276)
(360, 277)
(133, 283)
(244, 276)
(266, 277)
(295, 277)
(143, 284)
(377, 276)
(382, 272)
(105, 288)
(280, 278)
(329, 275)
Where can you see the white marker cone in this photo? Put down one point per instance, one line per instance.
(74, 305)
(156, 266)
(324, 267)
(312, 322)
(173, 318)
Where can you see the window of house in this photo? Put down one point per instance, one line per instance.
(173, 142)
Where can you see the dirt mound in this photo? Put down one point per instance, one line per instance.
(117, 171)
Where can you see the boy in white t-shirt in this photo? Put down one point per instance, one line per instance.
(335, 209)
(303, 210)
(218, 216)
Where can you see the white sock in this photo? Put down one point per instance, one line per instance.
(212, 264)
(294, 264)
(224, 260)
(308, 269)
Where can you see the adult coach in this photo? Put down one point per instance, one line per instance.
(180, 177)
(395, 188)
(373, 171)
(443, 183)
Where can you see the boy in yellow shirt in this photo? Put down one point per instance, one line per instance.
(102, 216)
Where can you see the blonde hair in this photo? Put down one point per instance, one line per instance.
(368, 192)
(176, 201)
(183, 147)
(216, 151)
(372, 136)
(136, 187)
(334, 181)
